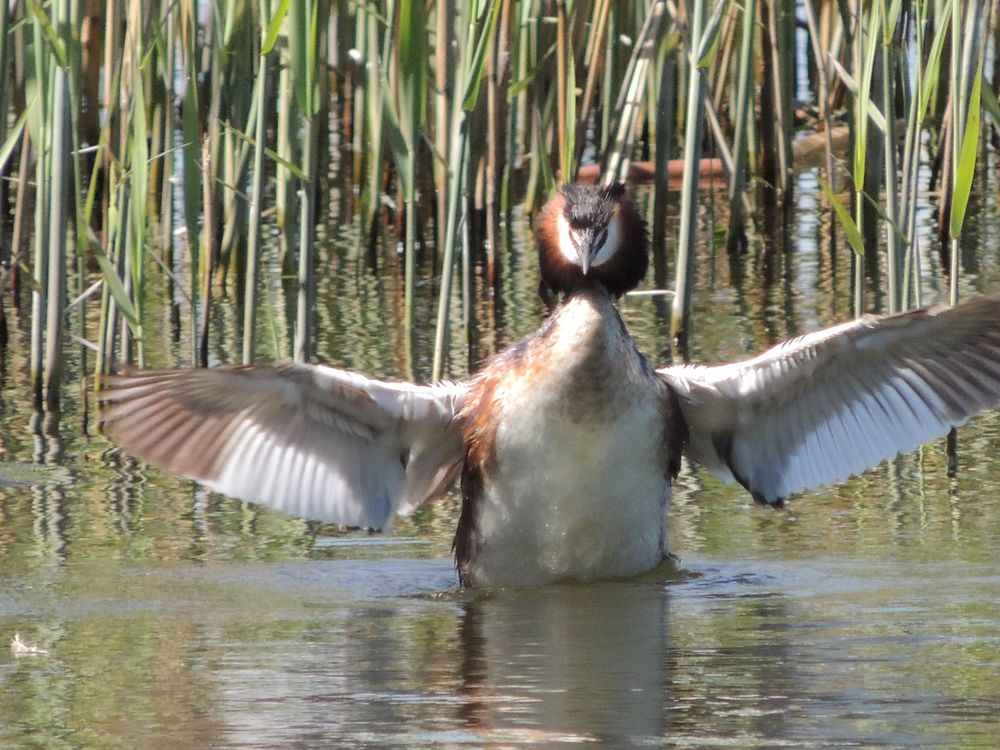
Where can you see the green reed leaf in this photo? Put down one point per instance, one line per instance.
(966, 167)
(847, 222)
(478, 64)
(931, 69)
(117, 289)
(14, 136)
(58, 49)
(274, 27)
(711, 35)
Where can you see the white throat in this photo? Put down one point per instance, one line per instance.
(568, 247)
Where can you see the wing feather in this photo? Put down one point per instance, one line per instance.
(308, 440)
(818, 408)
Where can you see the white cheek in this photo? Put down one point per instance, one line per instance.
(566, 246)
(610, 244)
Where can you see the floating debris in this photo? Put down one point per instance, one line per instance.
(19, 646)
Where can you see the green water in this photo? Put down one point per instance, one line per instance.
(864, 615)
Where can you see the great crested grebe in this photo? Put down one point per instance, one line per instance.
(567, 442)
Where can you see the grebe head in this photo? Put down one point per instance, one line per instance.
(591, 235)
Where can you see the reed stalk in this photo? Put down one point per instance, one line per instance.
(894, 250)
(442, 102)
(686, 242)
(168, 20)
(565, 93)
(408, 122)
(954, 124)
(212, 166)
(39, 124)
(79, 208)
(371, 124)
(609, 79)
(864, 48)
(16, 96)
(191, 188)
(7, 144)
(270, 27)
(594, 56)
(821, 52)
(114, 295)
(57, 184)
(784, 19)
(966, 82)
(467, 78)
(237, 48)
(665, 137)
(138, 165)
(744, 103)
(776, 98)
(303, 47)
(285, 204)
(20, 228)
(927, 75)
(629, 106)
(496, 118)
(527, 97)
(966, 73)
(208, 252)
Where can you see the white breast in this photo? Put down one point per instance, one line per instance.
(579, 488)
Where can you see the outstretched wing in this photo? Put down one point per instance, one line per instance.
(311, 441)
(821, 407)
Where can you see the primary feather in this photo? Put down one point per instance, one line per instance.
(308, 440)
(821, 407)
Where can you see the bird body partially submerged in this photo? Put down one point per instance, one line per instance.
(566, 443)
(569, 463)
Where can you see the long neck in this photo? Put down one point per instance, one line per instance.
(586, 333)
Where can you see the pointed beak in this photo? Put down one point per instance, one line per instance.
(584, 250)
